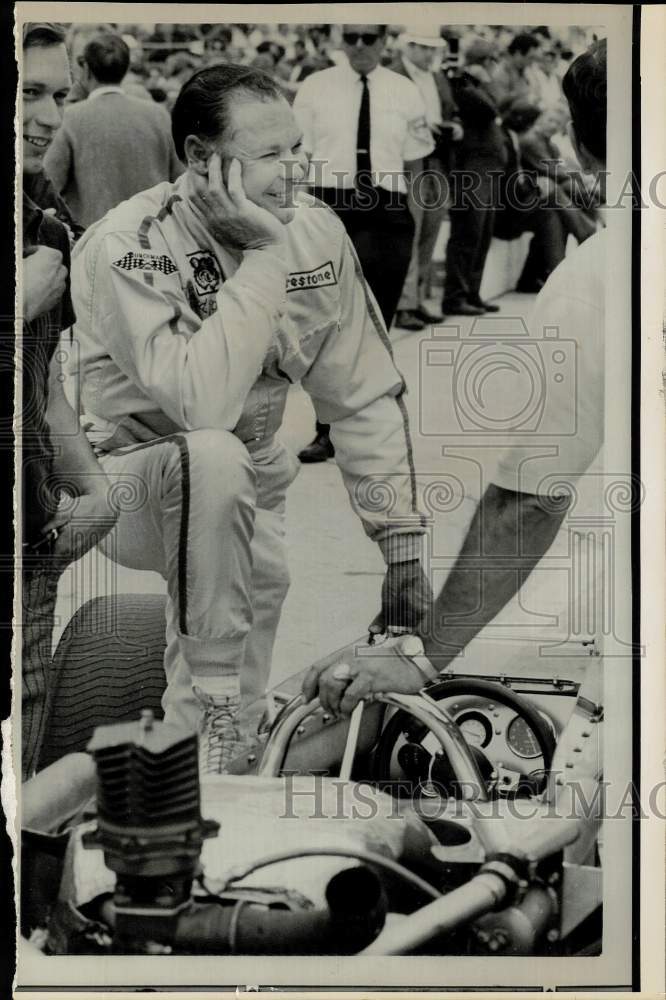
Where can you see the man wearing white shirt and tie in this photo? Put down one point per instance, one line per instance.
(366, 132)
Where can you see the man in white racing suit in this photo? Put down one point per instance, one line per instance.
(198, 304)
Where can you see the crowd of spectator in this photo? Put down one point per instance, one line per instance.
(521, 70)
(476, 103)
(162, 56)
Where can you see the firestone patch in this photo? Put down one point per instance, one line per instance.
(319, 277)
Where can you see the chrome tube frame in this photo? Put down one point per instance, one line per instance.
(482, 893)
(419, 706)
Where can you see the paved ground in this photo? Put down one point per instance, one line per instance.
(336, 571)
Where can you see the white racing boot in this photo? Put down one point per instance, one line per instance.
(222, 737)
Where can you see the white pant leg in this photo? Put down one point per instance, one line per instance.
(276, 469)
(194, 526)
(270, 583)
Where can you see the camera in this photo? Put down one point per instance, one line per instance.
(497, 378)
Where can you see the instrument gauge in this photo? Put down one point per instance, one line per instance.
(521, 739)
(476, 728)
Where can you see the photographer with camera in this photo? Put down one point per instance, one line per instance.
(516, 521)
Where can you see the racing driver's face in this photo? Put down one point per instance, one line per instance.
(266, 138)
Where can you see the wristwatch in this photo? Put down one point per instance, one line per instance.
(411, 647)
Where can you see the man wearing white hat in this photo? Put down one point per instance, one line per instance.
(421, 51)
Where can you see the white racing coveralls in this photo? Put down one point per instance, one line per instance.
(187, 351)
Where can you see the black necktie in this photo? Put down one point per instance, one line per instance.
(363, 133)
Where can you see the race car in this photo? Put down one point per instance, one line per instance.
(462, 820)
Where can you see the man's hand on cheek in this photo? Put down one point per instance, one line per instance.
(231, 217)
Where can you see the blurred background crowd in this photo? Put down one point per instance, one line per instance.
(163, 56)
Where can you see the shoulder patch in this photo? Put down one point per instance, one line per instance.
(146, 262)
(318, 277)
(206, 271)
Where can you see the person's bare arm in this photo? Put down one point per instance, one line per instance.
(509, 534)
(91, 515)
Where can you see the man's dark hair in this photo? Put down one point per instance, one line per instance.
(520, 116)
(108, 57)
(584, 87)
(523, 43)
(266, 48)
(202, 106)
(42, 34)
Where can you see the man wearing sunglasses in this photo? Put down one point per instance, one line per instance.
(365, 129)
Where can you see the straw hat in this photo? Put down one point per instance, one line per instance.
(419, 35)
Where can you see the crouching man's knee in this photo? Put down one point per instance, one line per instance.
(219, 467)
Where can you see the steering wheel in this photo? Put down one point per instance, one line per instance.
(418, 763)
(425, 713)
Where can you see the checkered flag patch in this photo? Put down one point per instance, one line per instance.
(146, 262)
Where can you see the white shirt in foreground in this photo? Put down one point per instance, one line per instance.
(568, 324)
(567, 595)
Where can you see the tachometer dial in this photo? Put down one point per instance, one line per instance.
(521, 739)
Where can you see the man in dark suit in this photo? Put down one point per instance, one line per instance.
(111, 145)
(417, 60)
(480, 154)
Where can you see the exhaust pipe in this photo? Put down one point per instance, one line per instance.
(355, 915)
